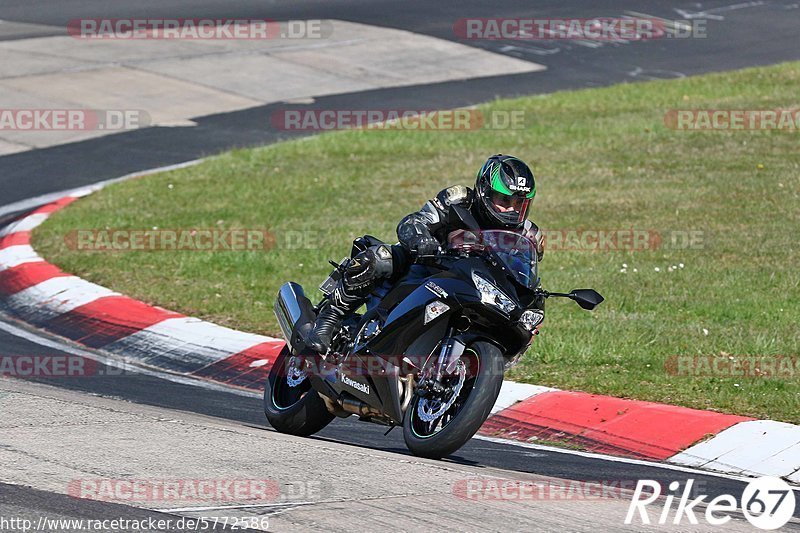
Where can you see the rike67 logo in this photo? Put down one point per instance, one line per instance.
(768, 503)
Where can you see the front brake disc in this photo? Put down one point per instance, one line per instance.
(430, 410)
(294, 376)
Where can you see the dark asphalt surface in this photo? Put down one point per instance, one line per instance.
(749, 34)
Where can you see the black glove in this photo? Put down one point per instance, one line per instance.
(424, 245)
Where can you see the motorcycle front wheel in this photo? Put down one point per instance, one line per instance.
(435, 428)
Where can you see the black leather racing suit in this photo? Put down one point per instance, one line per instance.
(426, 228)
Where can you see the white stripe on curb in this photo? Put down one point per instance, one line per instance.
(17, 255)
(753, 448)
(25, 224)
(512, 392)
(184, 344)
(54, 297)
(187, 329)
(22, 253)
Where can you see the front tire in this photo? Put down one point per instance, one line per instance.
(291, 405)
(477, 395)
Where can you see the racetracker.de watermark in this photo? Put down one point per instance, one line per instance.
(733, 119)
(58, 365)
(734, 366)
(189, 240)
(368, 366)
(38, 119)
(197, 29)
(607, 29)
(196, 490)
(589, 240)
(610, 240)
(398, 119)
(195, 240)
(174, 490)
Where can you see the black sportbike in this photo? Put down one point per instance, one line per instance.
(429, 353)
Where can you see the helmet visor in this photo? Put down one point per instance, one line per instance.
(513, 209)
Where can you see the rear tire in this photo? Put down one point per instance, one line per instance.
(471, 412)
(294, 409)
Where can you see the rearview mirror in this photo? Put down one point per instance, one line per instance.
(587, 298)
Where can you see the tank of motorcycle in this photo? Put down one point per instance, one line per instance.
(406, 332)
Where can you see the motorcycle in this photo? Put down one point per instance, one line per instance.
(428, 354)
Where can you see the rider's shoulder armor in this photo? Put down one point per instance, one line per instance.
(455, 195)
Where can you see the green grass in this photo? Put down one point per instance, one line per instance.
(604, 160)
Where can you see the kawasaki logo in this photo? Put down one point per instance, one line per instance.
(355, 384)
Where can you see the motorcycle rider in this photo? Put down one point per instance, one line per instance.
(504, 188)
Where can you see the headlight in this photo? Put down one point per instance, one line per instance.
(531, 319)
(492, 295)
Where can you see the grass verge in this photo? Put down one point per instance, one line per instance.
(605, 161)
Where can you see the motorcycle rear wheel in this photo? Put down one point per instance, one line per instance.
(291, 405)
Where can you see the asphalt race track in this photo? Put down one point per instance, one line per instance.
(740, 35)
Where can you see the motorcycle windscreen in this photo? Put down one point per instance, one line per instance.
(515, 251)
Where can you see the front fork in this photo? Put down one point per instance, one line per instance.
(431, 377)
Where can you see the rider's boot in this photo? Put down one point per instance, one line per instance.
(330, 317)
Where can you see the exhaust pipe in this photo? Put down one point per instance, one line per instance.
(290, 307)
(357, 407)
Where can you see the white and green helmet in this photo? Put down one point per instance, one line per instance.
(504, 189)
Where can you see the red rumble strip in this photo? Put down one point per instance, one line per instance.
(603, 424)
(21, 277)
(247, 369)
(107, 320)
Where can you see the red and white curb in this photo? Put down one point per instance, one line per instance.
(44, 296)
